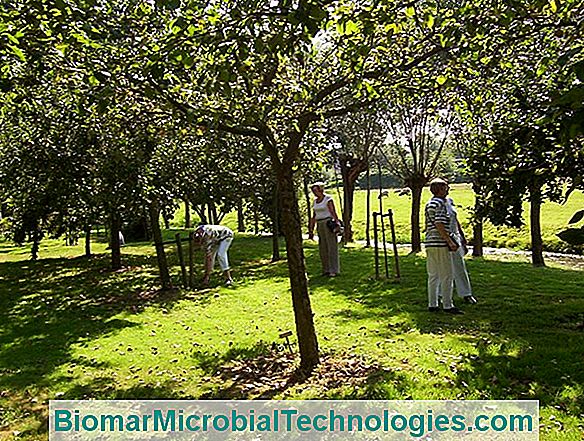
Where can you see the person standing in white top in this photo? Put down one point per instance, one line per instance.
(459, 272)
(323, 211)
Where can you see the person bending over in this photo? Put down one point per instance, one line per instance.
(215, 240)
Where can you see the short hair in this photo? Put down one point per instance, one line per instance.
(319, 184)
(436, 184)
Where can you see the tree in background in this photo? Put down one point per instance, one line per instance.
(354, 139)
(522, 153)
(267, 71)
(420, 133)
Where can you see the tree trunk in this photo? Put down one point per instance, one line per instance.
(351, 168)
(240, 218)
(292, 229)
(36, 242)
(88, 241)
(535, 224)
(115, 224)
(210, 214)
(188, 223)
(415, 217)
(477, 242)
(308, 203)
(348, 196)
(200, 210)
(477, 224)
(154, 210)
(213, 218)
(368, 210)
(275, 225)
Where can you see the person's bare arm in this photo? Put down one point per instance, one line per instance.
(311, 225)
(462, 236)
(444, 234)
(208, 269)
(331, 206)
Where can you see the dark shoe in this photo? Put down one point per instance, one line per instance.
(433, 309)
(471, 300)
(454, 310)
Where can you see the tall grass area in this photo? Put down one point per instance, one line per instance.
(72, 329)
(554, 218)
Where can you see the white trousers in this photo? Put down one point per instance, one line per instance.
(461, 279)
(221, 254)
(439, 267)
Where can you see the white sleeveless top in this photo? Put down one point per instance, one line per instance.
(321, 210)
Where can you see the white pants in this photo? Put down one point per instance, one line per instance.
(439, 267)
(221, 254)
(461, 279)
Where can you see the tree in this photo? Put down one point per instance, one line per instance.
(523, 155)
(45, 166)
(357, 136)
(420, 129)
(270, 71)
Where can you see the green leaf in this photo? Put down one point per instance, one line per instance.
(188, 61)
(553, 6)
(93, 81)
(410, 11)
(13, 39)
(441, 79)
(80, 38)
(62, 48)
(573, 98)
(17, 52)
(430, 21)
(577, 217)
(351, 27)
(442, 40)
(168, 4)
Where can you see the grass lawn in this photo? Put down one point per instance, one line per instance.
(72, 329)
(554, 218)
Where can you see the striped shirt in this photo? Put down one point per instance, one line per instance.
(436, 211)
(211, 235)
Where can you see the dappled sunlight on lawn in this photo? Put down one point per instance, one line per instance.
(71, 328)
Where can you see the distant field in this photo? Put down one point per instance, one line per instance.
(554, 218)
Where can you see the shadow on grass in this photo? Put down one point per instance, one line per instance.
(526, 330)
(48, 305)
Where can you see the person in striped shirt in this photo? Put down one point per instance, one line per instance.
(215, 240)
(439, 244)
